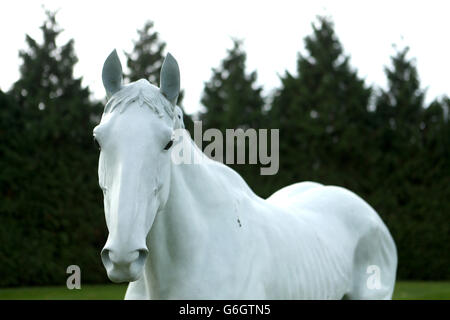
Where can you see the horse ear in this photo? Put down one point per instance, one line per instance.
(170, 79)
(112, 74)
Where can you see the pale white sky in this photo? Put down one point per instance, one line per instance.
(198, 33)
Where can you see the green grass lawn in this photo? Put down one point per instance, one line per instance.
(87, 292)
(403, 290)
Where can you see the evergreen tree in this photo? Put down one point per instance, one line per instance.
(48, 93)
(233, 100)
(322, 113)
(51, 181)
(145, 62)
(398, 114)
(411, 162)
(400, 107)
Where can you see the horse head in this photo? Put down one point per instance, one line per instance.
(134, 135)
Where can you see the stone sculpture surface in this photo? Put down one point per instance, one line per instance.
(197, 231)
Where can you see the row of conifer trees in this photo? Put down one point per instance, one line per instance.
(387, 145)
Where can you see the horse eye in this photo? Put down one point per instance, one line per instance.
(167, 147)
(97, 144)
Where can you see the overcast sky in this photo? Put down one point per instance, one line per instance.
(198, 33)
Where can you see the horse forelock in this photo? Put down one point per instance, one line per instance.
(142, 92)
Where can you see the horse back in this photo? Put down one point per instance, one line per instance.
(326, 205)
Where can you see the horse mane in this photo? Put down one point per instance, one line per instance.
(142, 92)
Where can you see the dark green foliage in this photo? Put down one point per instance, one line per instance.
(231, 97)
(146, 60)
(51, 213)
(232, 100)
(322, 115)
(412, 172)
(396, 154)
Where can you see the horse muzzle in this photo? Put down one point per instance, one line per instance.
(124, 266)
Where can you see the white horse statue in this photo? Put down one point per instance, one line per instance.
(197, 231)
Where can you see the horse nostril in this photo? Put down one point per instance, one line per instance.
(143, 253)
(106, 258)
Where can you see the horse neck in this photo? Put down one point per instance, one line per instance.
(199, 197)
(204, 183)
(199, 194)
